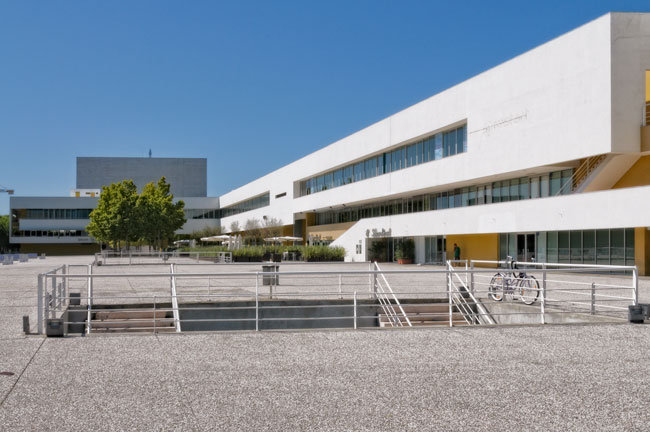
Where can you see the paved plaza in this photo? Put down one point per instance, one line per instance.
(553, 377)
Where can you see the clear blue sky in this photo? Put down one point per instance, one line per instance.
(251, 86)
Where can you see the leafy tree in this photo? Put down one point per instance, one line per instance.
(234, 227)
(124, 215)
(4, 233)
(115, 218)
(271, 227)
(252, 231)
(207, 232)
(159, 216)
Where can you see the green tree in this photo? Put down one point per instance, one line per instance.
(115, 219)
(4, 233)
(160, 217)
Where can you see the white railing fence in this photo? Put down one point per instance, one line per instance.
(355, 294)
(388, 300)
(138, 258)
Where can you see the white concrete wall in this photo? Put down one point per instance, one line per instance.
(630, 59)
(618, 208)
(547, 107)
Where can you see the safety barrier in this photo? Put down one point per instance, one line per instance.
(353, 295)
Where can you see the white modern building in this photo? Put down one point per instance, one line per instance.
(546, 156)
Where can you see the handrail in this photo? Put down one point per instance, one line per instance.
(408, 321)
(172, 280)
(90, 299)
(581, 173)
(477, 318)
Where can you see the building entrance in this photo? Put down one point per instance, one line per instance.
(526, 247)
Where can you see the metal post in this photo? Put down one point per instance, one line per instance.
(370, 279)
(340, 287)
(65, 285)
(451, 311)
(374, 281)
(257, 302)
(593, 298)
(542, 301)
(154, 314)
(54, 296)
(471, 278)
(39, 296)
(130, 258)
(355, 309)
(53, 299)
(90, 299)
(635, 284)
(466, 279)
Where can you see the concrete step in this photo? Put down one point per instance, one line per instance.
(135, 330)
(420, 323)
(131, 324)
(424, 308)
(432, 316)
(110, 315)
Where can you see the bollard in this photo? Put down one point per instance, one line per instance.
(636, 314)
(26, 324)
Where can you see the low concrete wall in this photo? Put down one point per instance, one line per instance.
(278, 314)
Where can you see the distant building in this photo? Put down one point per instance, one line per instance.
(187, 176)
(57, 225)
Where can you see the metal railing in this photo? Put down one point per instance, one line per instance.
(385, 295)
(354, 294)
(473, 311)
(138, 258)
(174, 299)
(580, 174)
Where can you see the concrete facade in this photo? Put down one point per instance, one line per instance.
(579, 96)
(187, 176)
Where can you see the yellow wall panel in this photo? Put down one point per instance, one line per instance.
(330, 231)
(638, 175)
(474, 246)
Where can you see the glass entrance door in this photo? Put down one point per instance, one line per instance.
(525, 247)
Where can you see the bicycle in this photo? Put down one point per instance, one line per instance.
(512, 283)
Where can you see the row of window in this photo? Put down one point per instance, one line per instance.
(431, 148)
(604, 246)
(51, 213)
(50, 233)
(202, 214)
(244, 206)
(551, 184)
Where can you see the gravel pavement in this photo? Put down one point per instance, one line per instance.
(554, 377)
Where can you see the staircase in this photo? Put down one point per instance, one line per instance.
(427, 314)
(586, 167)
(136, 320)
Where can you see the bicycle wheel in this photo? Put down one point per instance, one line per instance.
(495, 290)
(528, 290)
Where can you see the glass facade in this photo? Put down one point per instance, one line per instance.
(434, 147)
(201, 214)
(604, 246)
(51, 213)
(49, 233)
(502, 191)
(241, 207)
